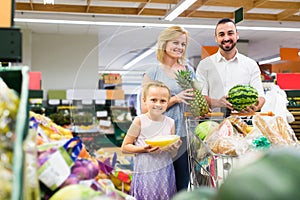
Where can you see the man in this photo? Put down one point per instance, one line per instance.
(227, 68)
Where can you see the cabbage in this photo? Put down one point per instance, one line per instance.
(206, 128)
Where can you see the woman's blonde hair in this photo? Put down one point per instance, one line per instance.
(154, 84)
(166, 35)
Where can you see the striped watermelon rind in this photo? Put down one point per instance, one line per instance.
(241, 96)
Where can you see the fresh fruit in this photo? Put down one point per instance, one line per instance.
(241, 96)
(205, 128)
(199, 105)
(162, 140)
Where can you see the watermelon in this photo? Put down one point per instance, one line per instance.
(242, 96)
(206, 128)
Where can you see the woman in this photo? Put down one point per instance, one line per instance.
(171, 50)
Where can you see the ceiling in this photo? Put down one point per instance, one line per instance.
(127, 27)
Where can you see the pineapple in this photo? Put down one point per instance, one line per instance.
(199, 105)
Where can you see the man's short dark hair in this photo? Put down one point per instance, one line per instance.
(224, 21)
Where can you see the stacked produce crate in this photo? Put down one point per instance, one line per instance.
(112, 82)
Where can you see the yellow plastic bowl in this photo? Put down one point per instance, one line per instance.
(162, 141)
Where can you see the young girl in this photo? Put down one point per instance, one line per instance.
(153, 176)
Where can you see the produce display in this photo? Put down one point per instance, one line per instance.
(9, 103)
(162, 140)
(75, 192)
(65, 166)
(241, 96)
(199, 105)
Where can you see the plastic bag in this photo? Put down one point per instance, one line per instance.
(224, 139)
(276, 129)
(55, 161)
(276, 101)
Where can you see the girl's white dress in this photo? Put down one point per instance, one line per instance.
(153, 177)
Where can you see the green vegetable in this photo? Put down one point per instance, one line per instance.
(201, 193)
(75, 192)
(275, 176)
(205, 128)
(241, 96)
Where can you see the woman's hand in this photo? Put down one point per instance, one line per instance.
(185, 96)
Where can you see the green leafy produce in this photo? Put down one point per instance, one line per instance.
(201, 193)
(205, 128)
(75, 192)
(241, 96)
(275, 176)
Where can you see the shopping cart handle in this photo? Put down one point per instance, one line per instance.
(220, 114)
(270, 113)
(212, 114)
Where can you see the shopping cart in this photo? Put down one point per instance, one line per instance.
(206, 167)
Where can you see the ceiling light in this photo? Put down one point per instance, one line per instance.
(269, 60)
(48, 2)
(178, 9)
(162, 25)
(139, 57)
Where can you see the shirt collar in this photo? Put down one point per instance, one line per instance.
(220, 57)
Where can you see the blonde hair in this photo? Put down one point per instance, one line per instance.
(166, 35)
(154, 84)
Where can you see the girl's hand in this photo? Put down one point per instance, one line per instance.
(150, 149)
(173, 148)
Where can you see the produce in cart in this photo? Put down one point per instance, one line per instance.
(242, 96)
(206, 128)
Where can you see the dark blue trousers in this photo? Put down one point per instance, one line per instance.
(181, 167)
